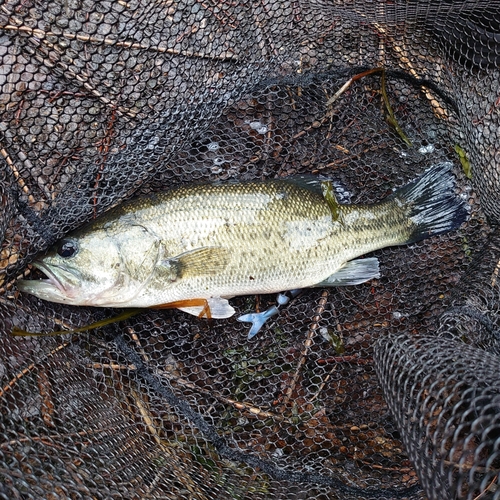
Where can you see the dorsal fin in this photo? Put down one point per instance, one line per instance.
(315, 184)
(306, 181)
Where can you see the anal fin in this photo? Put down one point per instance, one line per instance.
(353, 272)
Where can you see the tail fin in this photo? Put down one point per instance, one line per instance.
(434, 207)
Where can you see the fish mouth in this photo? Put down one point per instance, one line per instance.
(59, 285)
(52, 278)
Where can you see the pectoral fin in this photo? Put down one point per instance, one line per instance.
(204, 261)
(353, 272)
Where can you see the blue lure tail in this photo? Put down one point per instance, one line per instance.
(259, 319)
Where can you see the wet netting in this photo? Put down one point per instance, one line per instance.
(388, 389)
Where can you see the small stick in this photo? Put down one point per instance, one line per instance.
(481, 495)
(27, 370)
(345, 359)
(185, 478)
(38, 33)
(45, 390)
(405, 60)
(323, 384)
(103, 148)
(402, 470)
(18, 177)
(494, 276)
(468, 467)
(237, 404)
(137, 341)
(146, 417)
(185, 383)
(332, 99)
(53, 437)
(111, 366)
(307, 344)
(231, 21)
(350, 82)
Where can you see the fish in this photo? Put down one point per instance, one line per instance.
(194, 247)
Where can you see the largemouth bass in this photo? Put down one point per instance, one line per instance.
(195, 246)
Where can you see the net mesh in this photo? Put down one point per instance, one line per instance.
(389, 389)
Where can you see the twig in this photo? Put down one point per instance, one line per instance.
(183, 475)
(468, 467)
(73, 155)
(253, 410)
(391, 119)
(261, 32)
(111, 366)
(103, 148)
(18, 177)
(53, 437)
(404, 57)
(345, 359)
(318, 392)
(45, 390)
(401, 470)
(40, 34)
(28, 369)
(231, 21)
(349, 83)
(19, 112)
(307, 344)
(487, 488)
(328, 115)
(135, 338)
(494, 276)
(146, 417)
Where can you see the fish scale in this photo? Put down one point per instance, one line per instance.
(259, 223)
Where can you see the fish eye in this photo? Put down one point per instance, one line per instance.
(67, 248)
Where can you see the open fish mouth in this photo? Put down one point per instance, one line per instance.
(52, 278)
(57, 285)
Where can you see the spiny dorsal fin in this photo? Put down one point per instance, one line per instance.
(309, 182)
(314, 184)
